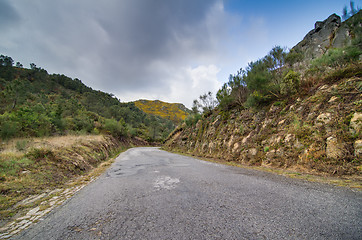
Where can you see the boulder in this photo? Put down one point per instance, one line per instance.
(253, 151)
(324, 119)
(356, 123)
(320, 38)
(236, 148)
(358, 148)
(289, 138)
(333, 99)
(334, 149)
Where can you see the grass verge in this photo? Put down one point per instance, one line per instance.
(37, 169)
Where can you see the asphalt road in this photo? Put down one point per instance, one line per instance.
(153, 194)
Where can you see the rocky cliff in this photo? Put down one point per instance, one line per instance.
(330, 33)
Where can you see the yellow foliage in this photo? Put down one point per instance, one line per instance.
(176, 112)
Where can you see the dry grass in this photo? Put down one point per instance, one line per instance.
(52, 143)
(32, 166)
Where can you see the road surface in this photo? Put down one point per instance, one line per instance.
(153, 194)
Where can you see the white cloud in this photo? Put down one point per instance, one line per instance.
(195, 81)
(184, 85)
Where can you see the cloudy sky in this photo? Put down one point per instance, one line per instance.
(171, 50)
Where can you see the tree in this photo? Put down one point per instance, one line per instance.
(239, 91)
(276, 57)
(6, 70)
(353, 11)
(19, 65)
(205, 104)
(224, 98)
(257, 76)
(33, 66)
(290, 83)
(234, 92)
(293, 57)
(195, 107)
(6, 61)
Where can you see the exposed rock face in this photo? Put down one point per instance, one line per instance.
(312, 133)
(334, 149)
(330, 33)
(356, 123)
(358, 148)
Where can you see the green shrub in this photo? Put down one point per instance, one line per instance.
(8, 129)
(132, 131)
(347, 72)
(115, 128)
(290, 83)
(192, 119)
(81, 122)
(21, 145)
(256, 99)
(294, 57)
(338, 57)
(241, 130)
(40, 153)
(224, 97)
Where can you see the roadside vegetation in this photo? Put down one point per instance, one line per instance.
(29, 167)
(34, 103)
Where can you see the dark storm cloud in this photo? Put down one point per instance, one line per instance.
(8, 15)
(114, 45)
(144, 32)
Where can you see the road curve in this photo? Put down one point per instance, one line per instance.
(153, 194)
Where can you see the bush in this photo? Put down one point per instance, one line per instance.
(336, 57)
(40, 153)
(8, 130)
(293, 57)
(256, 99)
(21, 145)
(224, 98)
(115, 128)
(290, 83)
(192, 119)
(81, 122)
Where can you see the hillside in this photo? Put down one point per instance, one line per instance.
(175, 112)
(292, 110)
(34, 103)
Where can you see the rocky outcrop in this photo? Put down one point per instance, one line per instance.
(356, 123)
(330, 33)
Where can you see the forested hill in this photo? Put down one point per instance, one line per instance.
(176, 112)
(35, 103)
